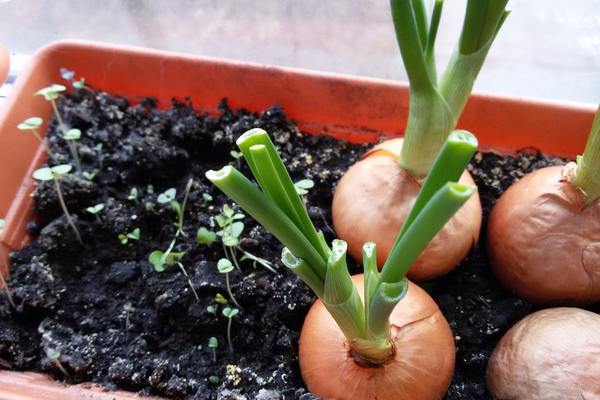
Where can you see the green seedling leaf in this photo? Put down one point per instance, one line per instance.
(167, 196)
(133, 194)
(205, 236)
(236, 154)
(43, 174)
(47, 173)
(73, 134)
(237, 228)
(62, 169)
(150, 189)
(230, 241)
(95, 209)
(212, 342)
(213, 379)
(212, 309)
(50, 92)
(158, 259)
(303, 186)
(220, 299)
(224, 266)
(66, 74)
(222, 220)
(228, 211)
(88, 175)
(123, 238)
(30, 123)
(207, 197)
(135, 234)
(80, 84)
(230, 312)
(176, 206)
(52, 354)
(97, 148)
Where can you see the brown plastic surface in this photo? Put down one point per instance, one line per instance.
(357, 109)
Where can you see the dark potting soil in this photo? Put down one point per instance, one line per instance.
(114, 320)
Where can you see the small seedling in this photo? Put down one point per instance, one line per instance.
(220, 299)
(150, 189)
(213, 379)
(89, 175)
(70, 137)
(257, 260)
(213, 343)
(205, 236)
(128, 308)
(133, 195)
(46, 174)
(230, 231)
(69, 77)
(5, 260)
(230, 313)
(225, 267)
(32, 124)
(51, 93)
(53, 355)
(150, 207)
(302, 187)
(168, 196)
(212, 310)
(98, 149)
(237, 155)
(159, 259)
(134, 235)
(207, 198)
(95, 210)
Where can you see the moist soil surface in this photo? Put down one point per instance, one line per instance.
(100, 311)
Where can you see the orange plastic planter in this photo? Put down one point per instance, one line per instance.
(356, 109)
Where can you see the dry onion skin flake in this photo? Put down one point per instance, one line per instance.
(371, 335)
(552, 354)
(366, 200)
(544, 232)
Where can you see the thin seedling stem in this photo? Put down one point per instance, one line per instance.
(5, 286)
(64, 207)
(230, 293)
(229, 333)
(189, 281)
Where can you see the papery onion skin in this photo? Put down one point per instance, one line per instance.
(372, 201)
(552, 354)
(542, 245)
(421, 369)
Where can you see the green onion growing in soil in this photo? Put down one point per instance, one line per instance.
(365, 324)
(546, 225)
(395, 168)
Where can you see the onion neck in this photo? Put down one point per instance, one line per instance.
(371, 353)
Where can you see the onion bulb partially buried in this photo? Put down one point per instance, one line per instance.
(553, 354)
(421, 366)
(543, 244)
(372, 201)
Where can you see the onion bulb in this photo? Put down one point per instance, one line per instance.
(543, 244)
(372, 201)
(421, 366)
(552, 354)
